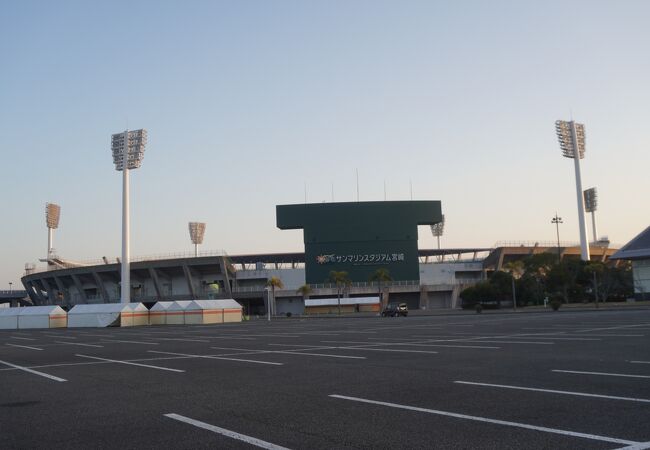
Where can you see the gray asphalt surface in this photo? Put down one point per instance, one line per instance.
(334, 383)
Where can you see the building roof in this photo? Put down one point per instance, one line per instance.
(637, 248)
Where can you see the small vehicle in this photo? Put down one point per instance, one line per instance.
(395, 310)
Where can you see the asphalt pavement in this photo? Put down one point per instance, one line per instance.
(565, 380)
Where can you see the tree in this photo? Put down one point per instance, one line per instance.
(274, 282)
(340, 278)
(516, 270)
(595, 269)
(304, 290)
(381, 275)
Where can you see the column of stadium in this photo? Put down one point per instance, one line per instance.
(571, 136)
(128, 152)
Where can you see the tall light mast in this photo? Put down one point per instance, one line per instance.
(438, 229)
(128, 152)
(591, 205)
(197, 231)
(571, 136)
(52, 215)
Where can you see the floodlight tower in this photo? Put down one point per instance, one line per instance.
(128, 152)
(52, 215)
(438, 229)
(591, 205)
(197, 231)
(571, 136)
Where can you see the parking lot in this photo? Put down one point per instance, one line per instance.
(544, 380)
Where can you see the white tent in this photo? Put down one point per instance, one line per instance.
(176, 312)
(51, 316)
(9, 318)
(212, 311)
(140, 314)
(101, 315)
(158, 313)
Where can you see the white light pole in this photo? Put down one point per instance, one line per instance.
(591, 205)
(197, 231)
(438, 229)
(52, 215)
(571, 136)
(128, 152)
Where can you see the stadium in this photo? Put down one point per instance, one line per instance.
(356, 237)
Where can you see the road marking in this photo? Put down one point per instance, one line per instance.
(219, 357)
(615, 335)
(180, 339)
(494, 421)
(35, 372)
(79, 343)
(22, 338)
(130, 363)
(231, 434)
(633, 362)
(552, 391)
(299, 351)
(639, 446)
(385, 350)
(58, 336)
(602, 373)
(612, 328)
(129, 342)
(419, 343)
(24, 346)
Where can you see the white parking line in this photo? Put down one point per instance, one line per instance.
(602, 373)
(58, 336)
(231, 434)
(639, 446)
(219, 357)
(420, 343)
(494, 421)
(129, 342)
(35, 372)
(300, 351)
(130, 363)
(552, 391)
(633, 362)
(24, 346)
(79, 343)
(22, 338)
(180, 339)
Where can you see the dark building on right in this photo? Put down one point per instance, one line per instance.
(638, 252)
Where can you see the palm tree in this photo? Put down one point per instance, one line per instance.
(341, 279)
(380, 276)
(274, 282)
(516, 270)
(304, 290)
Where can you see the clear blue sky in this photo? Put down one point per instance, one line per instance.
(246, 101)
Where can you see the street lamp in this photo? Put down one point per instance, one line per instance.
(10, 284)
(557, 221)
(197, 231)
(591, 205)
(128, 152)
(52, 215)
(571, 136)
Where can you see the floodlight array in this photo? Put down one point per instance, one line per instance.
(591, 200)
(565, 137)
(197, 231)
(438, 228)
(52, 214)
(132, 143)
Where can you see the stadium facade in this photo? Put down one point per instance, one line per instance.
(357, 238)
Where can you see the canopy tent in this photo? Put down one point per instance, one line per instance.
(9, 318)
(140, 314)
(213, 311)
(101, 315)
(50, 316)
(158, 313)
(176, 312)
